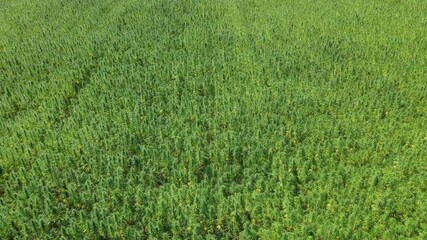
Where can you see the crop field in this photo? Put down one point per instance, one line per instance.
(213, 119)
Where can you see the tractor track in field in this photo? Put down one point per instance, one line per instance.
(71, 99)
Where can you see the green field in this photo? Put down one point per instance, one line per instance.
(213, 119)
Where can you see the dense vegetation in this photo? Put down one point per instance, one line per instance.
(205, 119)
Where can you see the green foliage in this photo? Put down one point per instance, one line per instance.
(229, 119)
